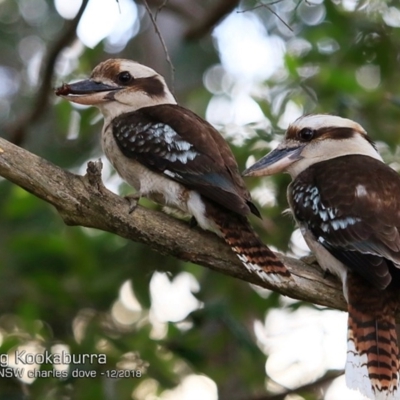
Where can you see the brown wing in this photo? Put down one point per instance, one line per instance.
(174, 141)
(357, 220)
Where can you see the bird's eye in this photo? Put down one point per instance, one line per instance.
(306, 134)
(124, 77)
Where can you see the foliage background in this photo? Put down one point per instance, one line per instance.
(68, 285)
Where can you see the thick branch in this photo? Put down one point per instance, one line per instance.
(85, 201)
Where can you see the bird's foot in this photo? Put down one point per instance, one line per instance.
(133, 200)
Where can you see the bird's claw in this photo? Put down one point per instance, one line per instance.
(133, 200)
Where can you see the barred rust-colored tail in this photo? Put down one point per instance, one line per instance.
(254, 254)
(372, 364)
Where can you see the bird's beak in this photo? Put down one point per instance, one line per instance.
(87, 92)
(277, 160)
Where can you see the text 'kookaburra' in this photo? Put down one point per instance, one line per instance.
(172, 156)
(346, 201)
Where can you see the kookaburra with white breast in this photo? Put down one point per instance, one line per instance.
(172, 156)
(346, 201)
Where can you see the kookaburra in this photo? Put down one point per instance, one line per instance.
(172, 156)
(346, 201)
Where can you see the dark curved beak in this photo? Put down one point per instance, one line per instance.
(87, 92)
(277, 160)
(86, 86)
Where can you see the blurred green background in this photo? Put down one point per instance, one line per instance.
(187, 332)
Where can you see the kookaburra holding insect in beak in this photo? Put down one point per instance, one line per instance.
(172, 156)
(346, 202)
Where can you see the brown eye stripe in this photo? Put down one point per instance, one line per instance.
(330, 132)
(152, 86)
(335, 132)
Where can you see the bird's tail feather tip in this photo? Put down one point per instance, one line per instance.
(374, 393)
(357, 379)
(270, 270)
(372, 365)
(254, 254)
(382, 385)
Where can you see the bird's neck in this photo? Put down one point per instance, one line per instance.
(122, 105)
(330, 149)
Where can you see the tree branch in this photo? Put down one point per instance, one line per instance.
(307, 388)
(83, 200)
(18, 131)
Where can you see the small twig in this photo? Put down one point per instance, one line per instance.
(188, 11)
(309, 387)
(298, 5)
(119, 6)
(308, 91)
(159, 9)
(263, 5)
(270, 9)
(18, 131)
(154, 22)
